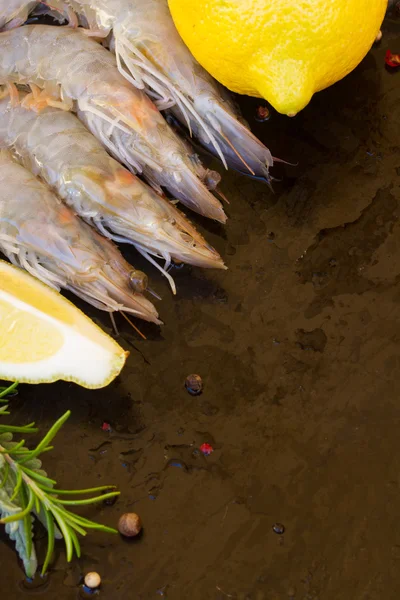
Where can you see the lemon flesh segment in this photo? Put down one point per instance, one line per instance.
(44, 337)
(281, 50)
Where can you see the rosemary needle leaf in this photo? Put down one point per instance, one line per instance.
(17, 485)
(20, 515)
(25, 429)
(75, 542)
(27, 500)
(6, 391)
(69, 519)
(50, 540)
(87, 500)
(49, 436)
(70, 516)
(76, 492)
(5, 476)
(37, 476)
(66, 534)
(11, 447)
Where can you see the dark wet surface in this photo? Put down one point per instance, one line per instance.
(298, 348)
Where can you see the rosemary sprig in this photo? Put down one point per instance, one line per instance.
(26, 490)
(8, 391)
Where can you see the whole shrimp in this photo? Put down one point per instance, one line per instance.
(56, 146)
(42, 235)
(151, 54)
(66, 69)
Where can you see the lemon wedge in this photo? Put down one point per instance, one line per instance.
(44, 337)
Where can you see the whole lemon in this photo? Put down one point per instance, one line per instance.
(282, 50)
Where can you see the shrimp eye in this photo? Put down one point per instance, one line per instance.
(138, 281)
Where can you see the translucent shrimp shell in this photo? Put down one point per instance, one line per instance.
(55, 145)
(15, 12)
(79, 73)
(152, 54)
(42, 235)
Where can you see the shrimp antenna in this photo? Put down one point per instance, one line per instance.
(132, 325)
(153, 293)
(113, 323)
(221, 195)
(285, 162)
(240, 157)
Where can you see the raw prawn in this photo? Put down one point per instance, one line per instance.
(151, 54)
(66, 69)
(42, 235)
(56, 146)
